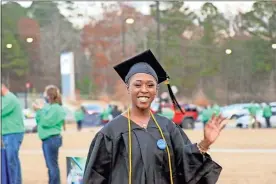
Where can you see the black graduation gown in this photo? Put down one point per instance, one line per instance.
(107, 161)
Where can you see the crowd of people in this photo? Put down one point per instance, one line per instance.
(50, 118)
(252, 108)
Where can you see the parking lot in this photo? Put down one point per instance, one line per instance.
(247, 156)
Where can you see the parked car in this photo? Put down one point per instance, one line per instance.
(273, 106)
(188, 119)
(234, 111)
(30, 125)
(69, 118)
(94, 114)
(165, 110)
(29, 121)
(273, 119)
(246, 121)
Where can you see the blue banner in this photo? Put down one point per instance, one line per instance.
(67, 71)
(65, 85)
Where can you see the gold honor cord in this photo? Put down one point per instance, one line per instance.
(130, 146)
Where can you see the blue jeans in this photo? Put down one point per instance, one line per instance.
(50, 148)
(12, 143)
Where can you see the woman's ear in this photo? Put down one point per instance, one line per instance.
(127, 86)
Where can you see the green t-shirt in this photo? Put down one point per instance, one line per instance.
(216, 110)
(11, 115)
(106, 113)
(253, 110)
(207, 114)
(50, 120)
(79, 115)
(267, 112)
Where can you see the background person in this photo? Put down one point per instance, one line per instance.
(79, 116)
(267, 113)
(12, 132)
(50, 119)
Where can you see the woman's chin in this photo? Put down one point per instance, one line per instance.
(143, 106)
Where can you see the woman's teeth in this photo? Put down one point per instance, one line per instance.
(143, 99)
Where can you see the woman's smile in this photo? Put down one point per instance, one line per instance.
(143, 99)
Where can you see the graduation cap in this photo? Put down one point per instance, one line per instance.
(145, 62)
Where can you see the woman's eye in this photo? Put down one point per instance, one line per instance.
(151, 85)
(137, 85)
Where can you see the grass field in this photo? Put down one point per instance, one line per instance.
(247, 156)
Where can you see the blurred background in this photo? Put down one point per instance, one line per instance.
(223, 50)
(219, 55)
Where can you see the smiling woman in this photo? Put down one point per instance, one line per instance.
(138, 147)
(143, 89)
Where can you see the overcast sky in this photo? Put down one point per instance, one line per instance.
(227, 7)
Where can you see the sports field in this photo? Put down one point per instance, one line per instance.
(247, 156)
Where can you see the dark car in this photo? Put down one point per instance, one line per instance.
(93, 115)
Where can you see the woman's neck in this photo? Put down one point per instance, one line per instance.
(140, 113)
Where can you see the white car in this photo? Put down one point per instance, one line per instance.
(273, 106)
(246, 120)
(70, 117)
(29, 120)
(234, 111)
(30, 125)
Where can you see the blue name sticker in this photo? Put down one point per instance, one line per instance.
(161, 144)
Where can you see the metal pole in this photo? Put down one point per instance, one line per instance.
(123, 34)
(158, 31)
(26, 98)
(226, 80)
(227, 85)
(274, 72)
(241, 80)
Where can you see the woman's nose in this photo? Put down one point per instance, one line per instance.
(144, 88)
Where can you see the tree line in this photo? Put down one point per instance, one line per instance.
(193, 47)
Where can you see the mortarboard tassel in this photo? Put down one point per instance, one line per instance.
(174, 101)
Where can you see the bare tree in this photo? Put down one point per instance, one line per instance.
(58, 37)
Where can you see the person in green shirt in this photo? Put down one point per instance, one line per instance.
(12, 132)
(253, 109)
(79, 116)
(206, 115)
(216, 109)
(50, 119)
(106, 114)
(267, 113)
